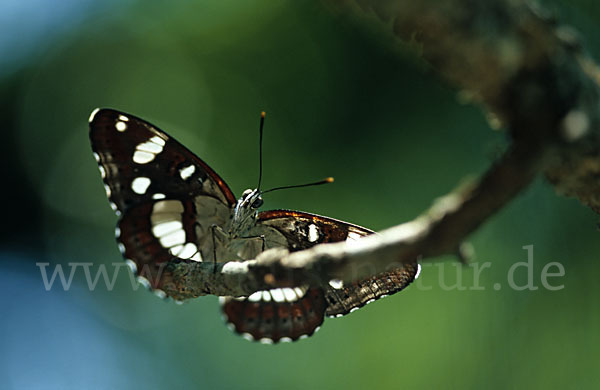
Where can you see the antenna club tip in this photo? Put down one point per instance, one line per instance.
(329, 180)
(262, 114)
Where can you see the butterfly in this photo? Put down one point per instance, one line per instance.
(174, 208)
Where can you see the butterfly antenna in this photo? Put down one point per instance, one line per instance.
(327, 180)
(262, 124)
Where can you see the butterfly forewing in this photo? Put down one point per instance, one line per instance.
(140, 163)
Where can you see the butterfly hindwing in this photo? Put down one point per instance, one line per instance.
(303, 230)
(167, 197)
(282, 314)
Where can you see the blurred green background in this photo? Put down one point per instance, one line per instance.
(342, 100)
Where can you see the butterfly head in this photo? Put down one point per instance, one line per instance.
(245, 209)
(251, 199)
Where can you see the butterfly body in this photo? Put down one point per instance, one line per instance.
(174, 208)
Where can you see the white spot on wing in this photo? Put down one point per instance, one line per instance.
(313, 233)
(146, 151)
(197, 257)
(162, 218)
(176, 249)
(107, 189)
(139, 185)
(121, 126)
(418, 271)
(132, 266)
(167, 206)
(300, 291)
(93, 114)
(289, 294)
(142, 157)
(149, 147)
(172, 239)
(158, 196)
(277, 295)
(117, 232)
(157, 140)
(121, 248)
(102, 171)
(266, 296)
(265, 340)
(186, 172)
(285, 340)
(234, 267)
(123, 118)
(255, 297)
(188, 250)
(336, 283)
(143, 281)
(165, 228)
(96, 157)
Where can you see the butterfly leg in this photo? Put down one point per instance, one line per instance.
(214, 241)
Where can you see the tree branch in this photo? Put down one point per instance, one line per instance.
(533, 78)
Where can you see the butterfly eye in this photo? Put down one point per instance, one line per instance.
(257, 203)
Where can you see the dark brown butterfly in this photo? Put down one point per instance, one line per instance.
(173, 207)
